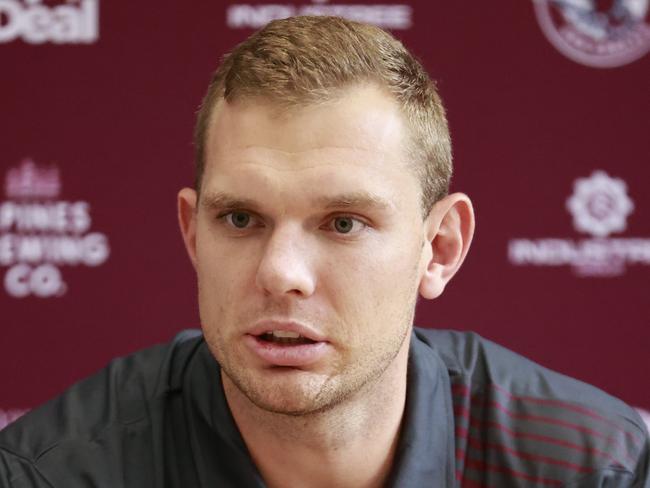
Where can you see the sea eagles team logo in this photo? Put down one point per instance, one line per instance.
(597, 33)
(600, 206)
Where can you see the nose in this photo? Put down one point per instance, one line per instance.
(285, 267)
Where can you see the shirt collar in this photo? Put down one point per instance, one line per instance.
(222, 458)
(425, 449)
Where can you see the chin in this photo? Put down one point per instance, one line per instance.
(293, 393)
(288, 408)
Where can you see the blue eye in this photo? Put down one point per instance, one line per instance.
(343, 225)
(238, 219)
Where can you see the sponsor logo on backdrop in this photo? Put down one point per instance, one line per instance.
(600, 206)
(253, 16)
(40, 233)
(70, 22)
(597, 33)
(8, 416)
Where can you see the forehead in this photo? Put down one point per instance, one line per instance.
(359, 116)
(354, 142)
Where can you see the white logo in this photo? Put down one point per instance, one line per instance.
(254, 16)
(595, 33)
(600, 206)
(8, 416)
(74, 22)
(38, 234)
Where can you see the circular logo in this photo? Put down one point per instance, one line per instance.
(599, 204)
(597, 33)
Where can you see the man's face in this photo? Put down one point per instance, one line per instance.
(309, 222)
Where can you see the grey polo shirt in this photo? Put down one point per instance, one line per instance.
(476, 415)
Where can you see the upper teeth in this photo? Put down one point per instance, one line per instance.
(285, 333)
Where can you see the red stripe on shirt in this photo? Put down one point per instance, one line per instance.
(481, 424)
(468, 483)
(478, 444)
(568, 406)
(463, 412)
(462, 389)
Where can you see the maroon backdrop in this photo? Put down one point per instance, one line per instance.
(548, 106)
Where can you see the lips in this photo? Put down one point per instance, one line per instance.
(285, 337)
(287, 328)
(287, 344)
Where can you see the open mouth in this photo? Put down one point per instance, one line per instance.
(284, 338)
(300, 348)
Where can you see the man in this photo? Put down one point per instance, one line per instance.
(320, 212)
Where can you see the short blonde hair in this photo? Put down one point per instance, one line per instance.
(303, 60)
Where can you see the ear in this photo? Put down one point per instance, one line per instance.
(187, 221)
(449, 228)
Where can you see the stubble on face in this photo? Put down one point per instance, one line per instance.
(366, 311)
(308, 393)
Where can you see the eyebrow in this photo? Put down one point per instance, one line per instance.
(362, 200)
(354, 200)
(211, 201)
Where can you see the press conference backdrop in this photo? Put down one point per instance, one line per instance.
(548, 103)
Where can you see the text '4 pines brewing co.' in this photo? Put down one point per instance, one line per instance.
(40, 233)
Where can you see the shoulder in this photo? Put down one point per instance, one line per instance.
(480, 363)
(90, 417)
(516, 419)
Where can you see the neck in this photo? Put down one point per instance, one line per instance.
(350, 445)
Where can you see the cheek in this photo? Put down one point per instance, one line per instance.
(222, 262)
(371, 289)
(382, 267)
(223, 275)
